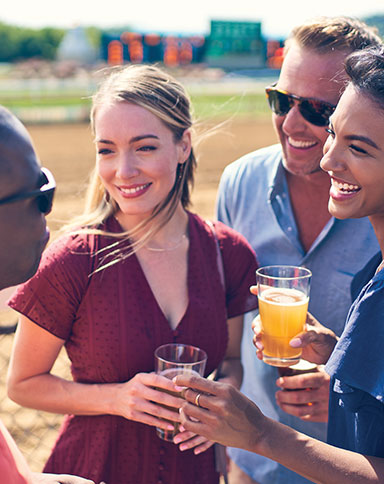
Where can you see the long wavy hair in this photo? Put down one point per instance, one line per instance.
(162, 95)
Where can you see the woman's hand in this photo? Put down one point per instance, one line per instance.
(224, 414)
(188, 440)
(140, 399)
(317, 341)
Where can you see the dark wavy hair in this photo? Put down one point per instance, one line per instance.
(365, 69)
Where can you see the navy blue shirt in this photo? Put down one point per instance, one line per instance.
(253, 198)
(356, 405)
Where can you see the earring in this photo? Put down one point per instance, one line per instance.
(180, 169)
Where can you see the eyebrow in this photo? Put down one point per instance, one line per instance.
(132, 140)
(353, 137)
(364, 139)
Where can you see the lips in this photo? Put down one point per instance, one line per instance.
(133, 191)
(341, 190)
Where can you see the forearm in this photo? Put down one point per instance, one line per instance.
(316, 460)
(53, 394)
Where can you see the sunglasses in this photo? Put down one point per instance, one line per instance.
(313, 110)
(43, 195)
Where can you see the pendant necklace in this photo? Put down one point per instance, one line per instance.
(167, 249)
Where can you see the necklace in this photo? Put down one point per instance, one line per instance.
(167, 249)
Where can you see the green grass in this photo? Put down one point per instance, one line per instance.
(227, 105)
(204, 105)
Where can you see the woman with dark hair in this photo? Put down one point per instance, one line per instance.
(354, 159)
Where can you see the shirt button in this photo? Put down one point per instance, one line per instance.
(161, 466)
(289, 229)
(162, 451)
(159, 481)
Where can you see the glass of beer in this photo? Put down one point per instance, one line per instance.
(174, 359)
(283, 293)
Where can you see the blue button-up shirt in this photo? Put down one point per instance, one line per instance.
(253, 198)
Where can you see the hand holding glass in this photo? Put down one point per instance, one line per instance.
(176, 359)
(283, 293)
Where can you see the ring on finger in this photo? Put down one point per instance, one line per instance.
(197, 399)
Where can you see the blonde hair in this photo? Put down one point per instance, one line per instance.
(326, 34)
(162, 95)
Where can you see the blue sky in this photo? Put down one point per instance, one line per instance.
(277, 17)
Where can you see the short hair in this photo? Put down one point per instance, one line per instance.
(365, 70)
(11, 131)
(325, 34)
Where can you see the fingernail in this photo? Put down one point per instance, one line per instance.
(177, 440)
(295, 342)
(179, 389)
(280, 382)
(170, 427)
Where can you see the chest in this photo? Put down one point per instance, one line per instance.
(120, 323)
(167, 276)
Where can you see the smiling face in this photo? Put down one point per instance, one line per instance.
(306, 73)
(137, 158)
(354, 157)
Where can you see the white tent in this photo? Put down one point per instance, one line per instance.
(76, 46)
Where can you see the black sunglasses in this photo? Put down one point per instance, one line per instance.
(43, 195)
(313, 110)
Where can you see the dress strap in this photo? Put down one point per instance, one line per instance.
(219, 258)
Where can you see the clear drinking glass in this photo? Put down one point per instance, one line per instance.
(174, 359)
(283, 293)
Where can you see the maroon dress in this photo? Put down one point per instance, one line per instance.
(112, 324)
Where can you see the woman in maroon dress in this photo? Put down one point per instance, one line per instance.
(141, 271)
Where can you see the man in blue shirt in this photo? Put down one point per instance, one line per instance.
(277, 197)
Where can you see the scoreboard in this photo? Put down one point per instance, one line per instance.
(234, 44)
(229, 45)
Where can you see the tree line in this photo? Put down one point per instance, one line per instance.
(20, 43)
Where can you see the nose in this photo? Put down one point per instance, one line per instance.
(332, 160)
(293, 120)
(127, 166)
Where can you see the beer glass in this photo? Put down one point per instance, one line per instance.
(283, 293)
(174, 359)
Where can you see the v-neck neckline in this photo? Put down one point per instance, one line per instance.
(149, 289)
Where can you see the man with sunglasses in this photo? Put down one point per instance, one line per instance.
(277, 197)
(26, 194)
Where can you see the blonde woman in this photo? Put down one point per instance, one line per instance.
(141, 271)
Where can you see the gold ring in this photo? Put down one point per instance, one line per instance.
(197, 398)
